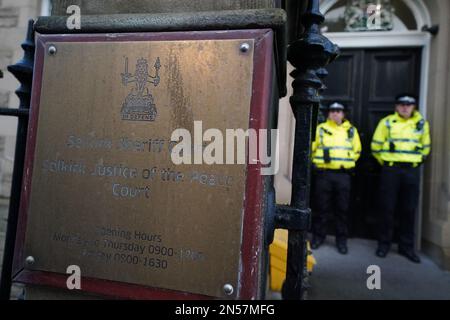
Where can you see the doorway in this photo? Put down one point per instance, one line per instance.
(367, 80)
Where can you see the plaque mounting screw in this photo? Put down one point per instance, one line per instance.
(52, 50)
(228, 289)
(29, 260)
(244, 47)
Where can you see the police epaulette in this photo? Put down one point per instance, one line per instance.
(351, 133)
(420, 125)
(327, 132)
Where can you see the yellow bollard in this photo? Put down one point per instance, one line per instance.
(278, 258)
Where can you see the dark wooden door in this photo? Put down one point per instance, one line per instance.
(368, 80)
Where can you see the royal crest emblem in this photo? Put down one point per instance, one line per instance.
(139, 104)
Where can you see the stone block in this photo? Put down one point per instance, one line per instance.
(157, 6)
(9, 17)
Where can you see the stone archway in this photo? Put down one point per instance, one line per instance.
(417, 7)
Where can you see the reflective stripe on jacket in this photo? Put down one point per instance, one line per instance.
(341, 143)
(402, 140)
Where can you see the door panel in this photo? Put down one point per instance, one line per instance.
(344, 80)
(346, 67)
(389, 73)
(368, 81)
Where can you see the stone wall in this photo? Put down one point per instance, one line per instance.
(157, 6)
(436, 197)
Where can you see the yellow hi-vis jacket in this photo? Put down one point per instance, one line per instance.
(402, 140)
(336, 146)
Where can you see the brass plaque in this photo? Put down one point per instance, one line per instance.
(105, 194)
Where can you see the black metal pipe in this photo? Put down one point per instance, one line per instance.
(307, 54)
(23, 71)
(296, 256)
(9, 112)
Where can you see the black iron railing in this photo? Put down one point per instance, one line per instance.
(311, 52)
(23, 71)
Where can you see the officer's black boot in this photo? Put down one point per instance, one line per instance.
(341, 245)
(382, 250)
(317, 242)
(409, 254)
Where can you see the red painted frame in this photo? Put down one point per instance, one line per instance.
(253, 228)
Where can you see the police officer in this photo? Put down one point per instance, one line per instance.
(401, 144)
(335, 151)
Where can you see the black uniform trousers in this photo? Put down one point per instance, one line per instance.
(399, 190)
(331, 197)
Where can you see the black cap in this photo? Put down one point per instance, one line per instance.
(407, 99)
(336, 106)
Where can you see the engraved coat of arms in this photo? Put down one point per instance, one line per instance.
(139, 104)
